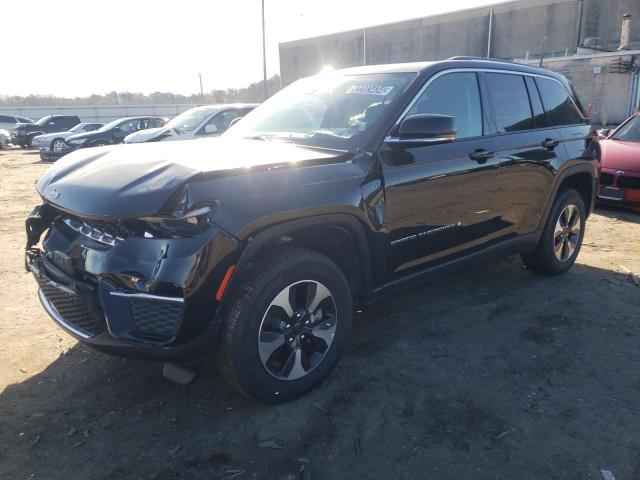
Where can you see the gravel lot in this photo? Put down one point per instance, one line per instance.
(488, 373)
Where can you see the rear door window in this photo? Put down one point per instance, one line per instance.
(510, 102)
(560, 108)
(457, 95)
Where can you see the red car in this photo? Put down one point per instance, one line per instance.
(619, 164)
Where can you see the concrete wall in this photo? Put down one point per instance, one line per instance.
(602, 19)
(99, 113)
(518, 27)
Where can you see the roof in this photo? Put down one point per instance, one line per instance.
(453, 62)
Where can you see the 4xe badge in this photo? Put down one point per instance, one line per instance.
(52, 193)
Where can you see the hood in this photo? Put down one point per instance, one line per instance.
(620, 155)
(138, 179)
(27, 126)
(143, 135)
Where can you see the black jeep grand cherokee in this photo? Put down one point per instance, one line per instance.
(340, 189)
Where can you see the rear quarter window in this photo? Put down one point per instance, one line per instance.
(557, 101)
(509, 101)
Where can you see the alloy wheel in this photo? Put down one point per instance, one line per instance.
(297, 330)
(58, 146)
(567, 233)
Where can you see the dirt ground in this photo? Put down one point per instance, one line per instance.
(487, 373)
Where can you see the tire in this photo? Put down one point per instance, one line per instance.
(559, 232)
(58, 145)
(271, 374)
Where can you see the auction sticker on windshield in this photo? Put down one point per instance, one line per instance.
(382, 90)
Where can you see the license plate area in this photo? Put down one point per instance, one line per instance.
(611, 193)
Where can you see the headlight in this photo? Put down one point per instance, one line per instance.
(77, 141)
(183, 221)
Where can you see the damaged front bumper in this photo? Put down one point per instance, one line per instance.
(129, 295)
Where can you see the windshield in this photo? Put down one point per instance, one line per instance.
(329, 110)
(110, 125)
(78, 128)
(189, 120)
(43, 120)
(630, 131)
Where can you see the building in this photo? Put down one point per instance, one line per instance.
(579, 38)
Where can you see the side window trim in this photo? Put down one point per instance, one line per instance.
(429, 81)
(483, 99)
(489, 124)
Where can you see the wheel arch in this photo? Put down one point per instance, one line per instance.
(340, 237)
(581, 177)
(53, 141)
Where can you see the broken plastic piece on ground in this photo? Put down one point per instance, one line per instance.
(178, 374)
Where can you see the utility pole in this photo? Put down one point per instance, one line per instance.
(201, 91)
(544, 42)
(264, 57)
(364, 46)
(490, 31)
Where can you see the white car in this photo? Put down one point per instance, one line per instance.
(52, 144)
(209, 120)
(4, 139)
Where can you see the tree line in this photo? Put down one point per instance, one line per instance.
(254, 93)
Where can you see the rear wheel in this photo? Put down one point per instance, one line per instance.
(562, 236)
(286, 326)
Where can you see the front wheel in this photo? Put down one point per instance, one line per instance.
(562, 236)
(58, 145)
(286, 326)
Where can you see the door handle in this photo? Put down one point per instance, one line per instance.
(550, 143)
(481, 155)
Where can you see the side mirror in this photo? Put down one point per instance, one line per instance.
(210, 129)
(425, 128)
(604, 132)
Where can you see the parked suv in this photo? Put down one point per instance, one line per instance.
(339, 190)
(113, 132)
(23, 134)
(197, 122)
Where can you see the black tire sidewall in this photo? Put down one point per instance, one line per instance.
(569, 196)
(250, 373)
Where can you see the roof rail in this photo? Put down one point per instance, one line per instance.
(486, 59)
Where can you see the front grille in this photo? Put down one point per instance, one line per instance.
(72, 309)
(155, 320)
(98, 231)
(629, 182)
(606, 179)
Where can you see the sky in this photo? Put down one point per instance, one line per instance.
(78, 47)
